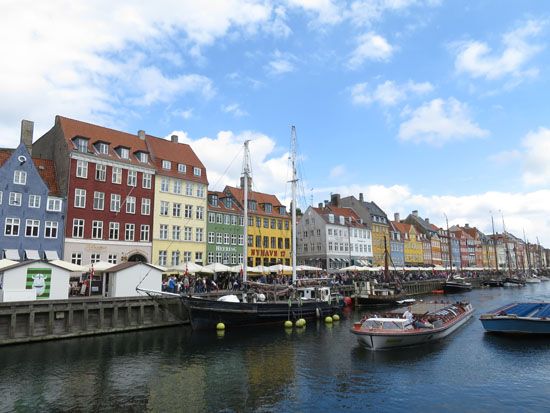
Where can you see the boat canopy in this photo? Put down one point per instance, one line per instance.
(386, 324)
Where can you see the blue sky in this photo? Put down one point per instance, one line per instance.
(439, 106)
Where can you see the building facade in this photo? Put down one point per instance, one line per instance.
(31, 210)
(225, 236)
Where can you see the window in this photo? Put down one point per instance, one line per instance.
(34, 201)
(19, 177)
(241, 238)
(99, 200)
(163, 231)
(227, 219)
(130, 204)
(15, 198)
(258, 241)
(95, 257)
(196, 171)
(268, 208)
(219, 218)
(11, 227)
(186, 256)
(219, 238)
(211, 218)
(181, 168)
(97, 229)
(81, 169)
(79, 198)
(198, 234)
(187, 234)
(176, 229)
(54, 205)
(145, 206)
(200, 213)
(166, 164)
(188, 212)
(164, 206)
(115, 202)
(198, 257)
(101, 172)
(266, 222)
(144, 233)
(102, 148)
(200, 191)
(132, 178)
(112, 259)
(114, 228)
(50, 229)
(177, 186)
(210, 257)
(116, 175)
(143, 157)
(273, 242)
(233, 219)
(81, 144)
(162, 257)
(146, 180)
(233, 239)
(164, 182)
(76, 258)
(175, 258)
(258, 222)
(124, 153)
(176, 209)
(273, 223)
(219, 257)
(129, 232)
(189, 189)
(78, 228)
(211, 237)
(250, 240)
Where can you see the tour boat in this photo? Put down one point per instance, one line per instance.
(513, 282)
(518, 318)
(456, 285)
(432, 321)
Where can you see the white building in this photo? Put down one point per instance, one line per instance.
(333, 238)
(122, 280)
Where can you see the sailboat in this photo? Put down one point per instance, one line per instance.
(262, 303)
(370, 294)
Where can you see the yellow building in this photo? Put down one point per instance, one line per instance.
(180, 204)
(414, 255)
(269, 232)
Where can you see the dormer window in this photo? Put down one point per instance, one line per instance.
(196, 171)
(282, 210)
(228, 202)
(268, 208)
(331, 218)
(124, 153)
(181, 168)
(213, 200)
(166, 165)
(142, 157)
(81, 144)
(102, 148)
(252, 205)
(342, 220)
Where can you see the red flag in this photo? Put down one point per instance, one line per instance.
(92, 273)
(186, 271)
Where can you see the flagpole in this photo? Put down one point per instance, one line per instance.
(90, 280)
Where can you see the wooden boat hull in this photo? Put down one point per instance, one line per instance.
(456, 287)
(387, 341)
(205, 314)
(518, 318)
(378, 300)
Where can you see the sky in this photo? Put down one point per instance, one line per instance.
(430, 105)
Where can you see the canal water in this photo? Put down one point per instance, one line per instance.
(321, 369)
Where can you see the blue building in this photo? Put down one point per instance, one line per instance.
(31, 211)
(397, 246)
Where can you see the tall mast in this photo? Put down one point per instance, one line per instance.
(494, 242)
(246, 180)
(508, 258)
(293, 206)
(527, 252)
(450, 246)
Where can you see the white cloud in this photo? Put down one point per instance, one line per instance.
(281, 63)
(184, 113)
(234, 109)
(366, 12)
(505, 157)
(536, 157)
(327, 11)
(337, 171)
(370, 46)
(388, 93)
(438, 122)
(478, 60)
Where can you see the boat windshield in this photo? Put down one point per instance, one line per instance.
(384, 324)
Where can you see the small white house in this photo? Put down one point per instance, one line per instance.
(34, 280)
(122, 280)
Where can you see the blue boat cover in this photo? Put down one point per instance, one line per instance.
(536, 310)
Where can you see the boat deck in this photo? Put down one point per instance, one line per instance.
(532, 310)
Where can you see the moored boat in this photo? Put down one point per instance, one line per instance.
(456, 285)
(518, 318)
(432, 321)
(513, 282)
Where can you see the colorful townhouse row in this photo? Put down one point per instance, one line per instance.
(351, 231)
(85, 193)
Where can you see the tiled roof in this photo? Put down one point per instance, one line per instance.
(375, 209)
(401, 227)
(176, 153)
(72, 128)
(259, 197)
(221, 205)
(45, 167)
(339, 211)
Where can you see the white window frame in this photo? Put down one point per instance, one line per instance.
(99, 201)
(16, 199)
(14, 225)
(114, 231)
(19, 177)
(124, 153)
(146, 180)
(115, 203)
(130, 204)
(145, 206)
(100, 172)
(34, 201)
(144, 232)
(163, 254)
(166, 164)
(182, 168)
(81, 168)
(97, 229)
(129, 232)
(131, 179)
(51, 229)
(79, 198)
(54, 205)
(78, 228)
(163, 231)
(197, 171)
(164, 184)
(164, 208)
(34, 225)
(76, 258)
(116, 175)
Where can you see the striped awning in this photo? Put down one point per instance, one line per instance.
(12, 255)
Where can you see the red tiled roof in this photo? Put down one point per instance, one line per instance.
(45, 167)
(73, 128)
(176, 153)
(259, 197)
(221, 205)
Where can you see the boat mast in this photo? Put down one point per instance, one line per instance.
(528, 253)
(507, 250)
(494, 242)
(386, 262)
(450, 247)
(293, 206)
(246, 180)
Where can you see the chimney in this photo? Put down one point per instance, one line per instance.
(249, 183)
(27, 128)
(320, 205)
(466, 225)
(141, 134)
(326, 203)
(361, 197)
(427, 220)
(174, 138)
(335, 200)
(415, 213)
(396, 217)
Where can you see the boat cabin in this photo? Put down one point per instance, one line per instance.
(386, 324)
(312, 293)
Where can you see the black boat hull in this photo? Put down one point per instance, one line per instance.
(378, 300)
(205, 314)
(454, 288)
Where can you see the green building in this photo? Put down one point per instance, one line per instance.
(225, 230)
